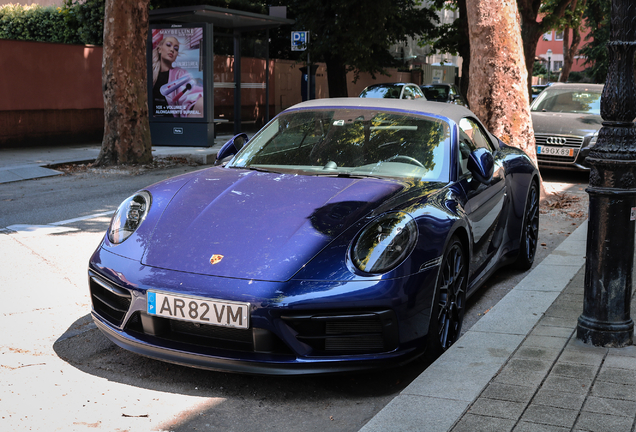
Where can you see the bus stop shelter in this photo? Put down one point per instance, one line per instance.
(168, 129)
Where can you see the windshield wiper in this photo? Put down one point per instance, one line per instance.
(251, 168)
(345, 175)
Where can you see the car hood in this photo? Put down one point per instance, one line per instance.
(262, 226)
(565, 123)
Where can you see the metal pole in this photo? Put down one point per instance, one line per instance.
(267, 76)
(237, 82)
(308, 77)
(606, 320)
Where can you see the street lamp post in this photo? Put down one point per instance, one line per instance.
(549, 54)
(606, 320)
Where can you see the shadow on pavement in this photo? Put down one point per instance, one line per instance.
(240, 402)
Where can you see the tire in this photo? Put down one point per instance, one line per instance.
(449, 304)
(529, 230)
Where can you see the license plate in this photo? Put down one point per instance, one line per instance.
(199, 310)
(555, 151)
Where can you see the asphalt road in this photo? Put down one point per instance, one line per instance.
(57, 372)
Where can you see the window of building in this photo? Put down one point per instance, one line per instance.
(547, 36)
(558, 35)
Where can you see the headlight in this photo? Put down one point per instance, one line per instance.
(592, 140)
(384, 243)
(130, 214)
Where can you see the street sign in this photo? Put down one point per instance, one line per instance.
(299, 40)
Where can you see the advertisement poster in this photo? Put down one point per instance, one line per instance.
(177, 72)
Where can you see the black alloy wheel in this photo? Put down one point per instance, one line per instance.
(450, 300)
(529, 230)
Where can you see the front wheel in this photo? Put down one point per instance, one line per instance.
(529, 230)
(449, 303)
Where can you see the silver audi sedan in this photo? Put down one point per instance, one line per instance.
(566, 120)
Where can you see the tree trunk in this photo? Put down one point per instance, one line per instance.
(464, 49)
(336, 77)
(569, 51)
(530, 34)
(531, 29)
(498, 92)
(124, 81)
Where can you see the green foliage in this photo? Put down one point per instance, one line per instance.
(576, 77)
(73, 23)
(447, 38)
(88, 17)
(242, 5)
(597, 15)
(359, 34)
(539, 69)
(571, 17)
(32, 23)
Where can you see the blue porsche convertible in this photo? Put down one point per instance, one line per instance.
(345, 235)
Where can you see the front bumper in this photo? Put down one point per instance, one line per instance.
(258, 364)
(575, 162)
(343, 327)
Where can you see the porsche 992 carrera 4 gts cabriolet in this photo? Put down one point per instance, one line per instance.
(345, 235)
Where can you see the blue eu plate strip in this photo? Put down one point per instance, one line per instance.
(152, 303)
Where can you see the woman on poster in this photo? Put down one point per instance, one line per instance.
(175, 92)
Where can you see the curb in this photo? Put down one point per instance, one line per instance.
(439, 397)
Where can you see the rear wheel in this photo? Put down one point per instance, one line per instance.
(529, 230)
(449, 305)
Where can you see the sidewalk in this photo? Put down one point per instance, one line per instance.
(36, 162)
(521, 368)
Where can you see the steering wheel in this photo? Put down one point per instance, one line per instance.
(407, 159)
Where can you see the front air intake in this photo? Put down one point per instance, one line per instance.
(109, 301)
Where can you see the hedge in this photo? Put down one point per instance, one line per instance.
(72, 23)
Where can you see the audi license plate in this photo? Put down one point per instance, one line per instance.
(555, 151)
(199, 310)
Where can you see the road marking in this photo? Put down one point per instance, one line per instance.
(38, 229)
(52, 228)
(93, 216)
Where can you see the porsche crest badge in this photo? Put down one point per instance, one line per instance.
(215, 259)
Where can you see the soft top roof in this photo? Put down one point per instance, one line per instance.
(419, 106)
(575, 87)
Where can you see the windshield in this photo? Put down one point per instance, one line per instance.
(436, 93)
(389, 91)
(351, 142)
(568, 101)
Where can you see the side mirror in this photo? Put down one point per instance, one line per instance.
(481, 165)
(232, 147)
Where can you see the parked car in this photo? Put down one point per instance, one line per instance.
(393, 91)
(537, 89)
(346, 234)
(566, 120)
(448, 93)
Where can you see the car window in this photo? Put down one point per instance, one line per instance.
(417, 92)
(382, 91)
(475, 133)
(568, 101)
(408, 93)
(466, 147)
(346, 141)
(438, 93)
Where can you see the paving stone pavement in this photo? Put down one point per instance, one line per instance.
(555, 383)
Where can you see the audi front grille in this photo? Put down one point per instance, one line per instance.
(558, 141)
